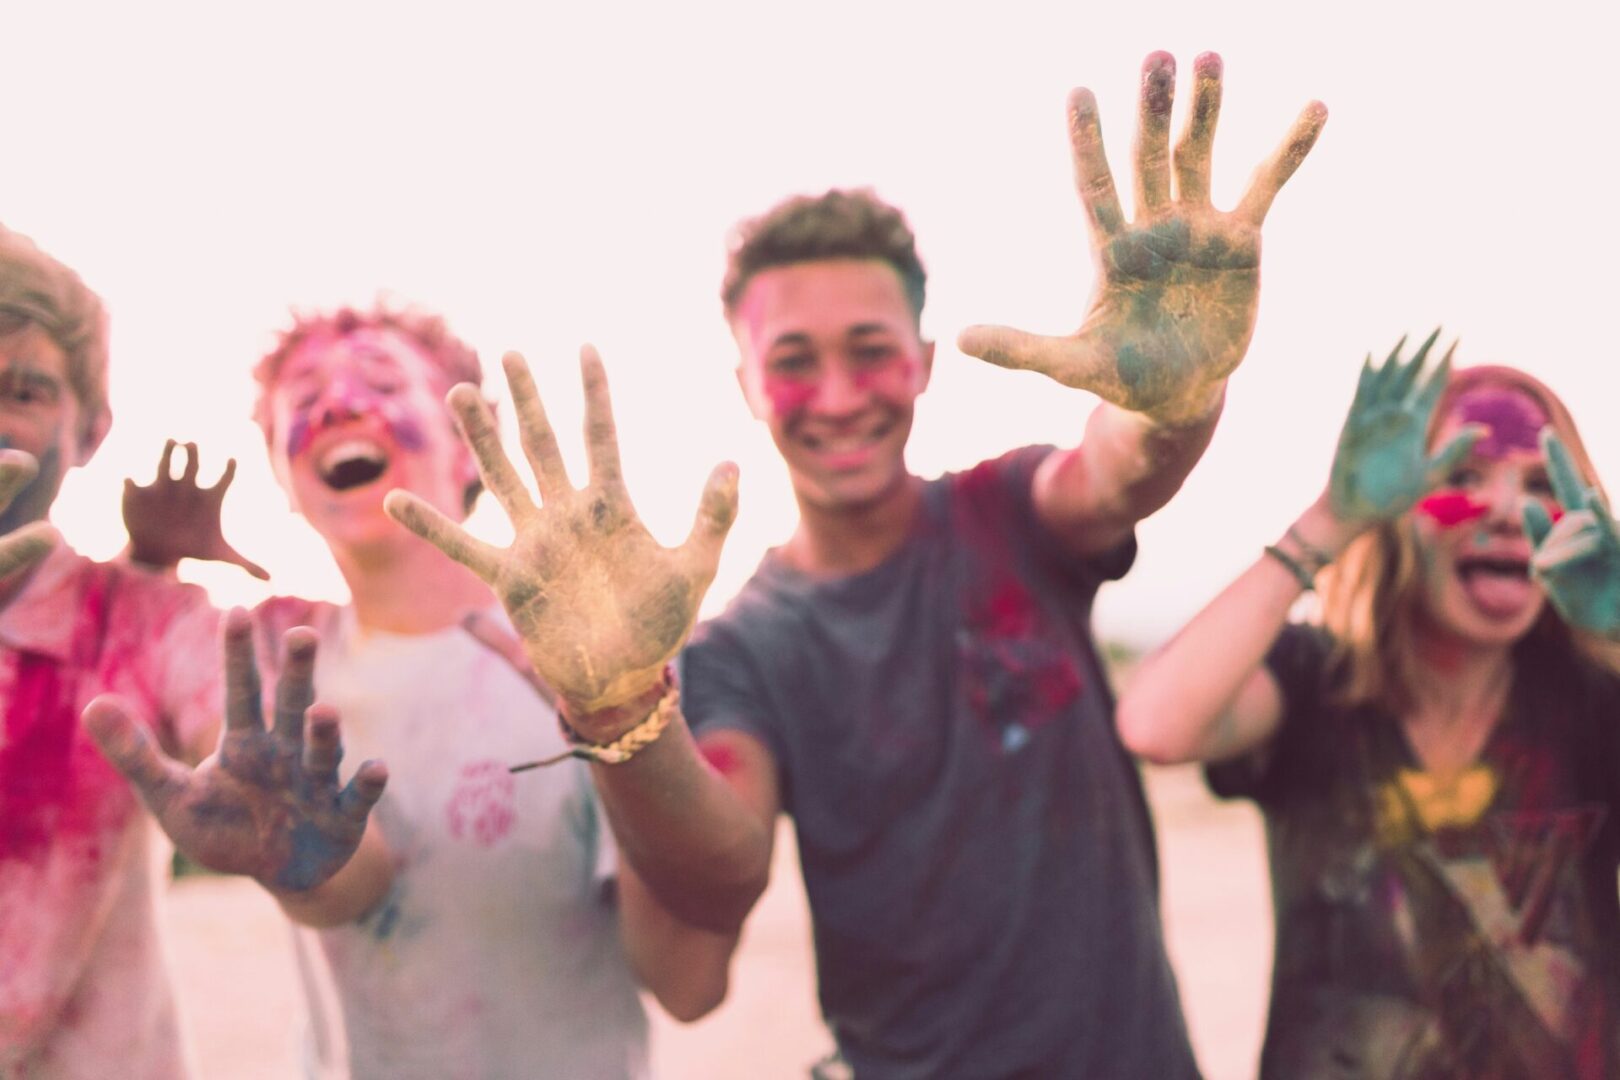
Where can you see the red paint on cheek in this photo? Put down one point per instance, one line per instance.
(788, 396)
(892, 380)
(1452, 508)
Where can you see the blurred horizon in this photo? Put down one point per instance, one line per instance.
(544, 178)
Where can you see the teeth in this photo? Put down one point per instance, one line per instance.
(352, 450)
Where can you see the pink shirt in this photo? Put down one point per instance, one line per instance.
(83, 990)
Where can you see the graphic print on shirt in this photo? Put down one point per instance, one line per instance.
(1015, 676)
(483, 806)
(1486, 905)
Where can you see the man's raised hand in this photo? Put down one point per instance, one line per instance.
(601, 606)
(268, 803)
(1178, 288)
(169, 519)
(27, 545)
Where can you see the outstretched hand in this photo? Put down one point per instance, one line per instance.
(1577, 558)
(600, 605)
(27, 545)
(169, 520)
(1178, 288)
(267, 803)
(1382, 465)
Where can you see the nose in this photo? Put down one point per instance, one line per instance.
(839, 392)
(1504, 495)
(341, 399)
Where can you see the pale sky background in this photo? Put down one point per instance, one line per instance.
(549, 176)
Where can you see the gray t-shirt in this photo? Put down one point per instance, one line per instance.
(975, 843)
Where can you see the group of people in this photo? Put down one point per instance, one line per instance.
(569, 794)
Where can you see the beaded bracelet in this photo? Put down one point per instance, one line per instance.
(623, 748)
(1302, 575)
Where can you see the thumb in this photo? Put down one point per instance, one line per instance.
(126, 743)
(1006, 347)
(1446, 458)
(1537, 522)
(716, 511)
(236, 558)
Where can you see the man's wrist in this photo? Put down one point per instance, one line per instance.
(1197, 408)
(602, 726)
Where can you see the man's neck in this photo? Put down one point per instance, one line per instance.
(838, 542)
(409, 587)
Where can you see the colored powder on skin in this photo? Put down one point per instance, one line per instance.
(1515, 421)
(723, 758)
(1452, 508)
(403, 428)
(788, 397)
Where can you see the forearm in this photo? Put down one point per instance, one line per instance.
(1127, 466)
(686, 968)
(348, 894)
(1194, 699)
(698, 845)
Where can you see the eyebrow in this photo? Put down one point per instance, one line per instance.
(862, 329)
(796, 337)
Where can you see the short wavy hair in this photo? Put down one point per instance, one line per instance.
(37, 289)
(840, 224)
(456, 360)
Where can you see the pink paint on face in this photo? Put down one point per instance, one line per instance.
(1515, 421)
(788, 396)
(347, 401)
(1451, 508)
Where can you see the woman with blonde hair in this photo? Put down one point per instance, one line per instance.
(1438, 762)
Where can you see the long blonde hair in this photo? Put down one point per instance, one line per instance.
(1372, 593)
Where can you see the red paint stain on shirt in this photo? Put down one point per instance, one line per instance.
(483, 807)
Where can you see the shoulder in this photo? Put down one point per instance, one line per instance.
(999, 481)
(277, 615)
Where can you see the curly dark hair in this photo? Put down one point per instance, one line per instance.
(841, 224)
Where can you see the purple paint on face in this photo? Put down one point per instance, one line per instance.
(1514, 419)
(306, 423)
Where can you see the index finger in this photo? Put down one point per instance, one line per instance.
(601, 435)
(244, 704)
(1568, 488)
(534, 429)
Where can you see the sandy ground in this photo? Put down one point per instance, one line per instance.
(235, 976)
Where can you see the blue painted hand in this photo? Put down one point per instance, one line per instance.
(1382, 465)
(1577, 558)
(267, 803)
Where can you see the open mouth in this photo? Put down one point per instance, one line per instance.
(1499, 586)
(351, 464)
(1470, 567)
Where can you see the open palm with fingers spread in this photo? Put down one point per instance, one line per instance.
(1178, 288)
(601, 606)
(1577, 558)
(268, 803)
(169, 520)
(30, 543)
(1382, 464)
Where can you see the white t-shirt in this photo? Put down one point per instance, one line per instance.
(497, 951)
